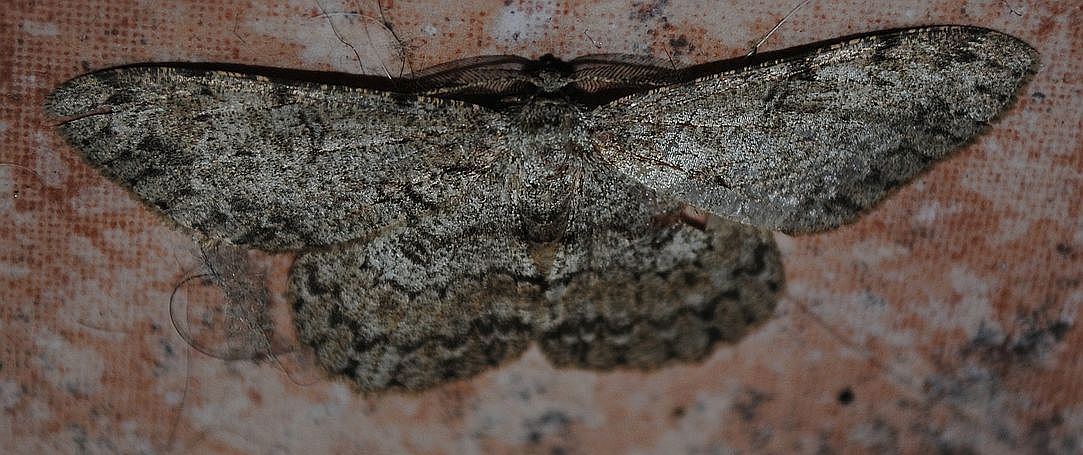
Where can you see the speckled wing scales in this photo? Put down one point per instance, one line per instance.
(421, 304)
(807, 143)
(273, 164)
(439, 238)
(646, 299)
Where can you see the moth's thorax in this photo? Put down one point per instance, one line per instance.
(547, 164)
(542, 114)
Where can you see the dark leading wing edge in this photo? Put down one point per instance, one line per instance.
(276, 165)
(809, 142)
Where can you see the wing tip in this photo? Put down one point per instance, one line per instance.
(76, 97)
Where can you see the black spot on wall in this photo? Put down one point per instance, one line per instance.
(846, 396)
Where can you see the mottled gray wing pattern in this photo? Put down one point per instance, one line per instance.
(644, 280)
(441, 299)
(275, 165)
(438, 238)
(645, 301)
(633, 281)
(807, 143)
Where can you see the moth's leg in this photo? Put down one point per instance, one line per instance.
(671, 294)
(416, 307)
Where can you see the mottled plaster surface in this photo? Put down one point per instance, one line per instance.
(947, 318)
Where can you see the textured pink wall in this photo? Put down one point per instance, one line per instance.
(945, 318)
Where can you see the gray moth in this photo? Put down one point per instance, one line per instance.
(615, 212)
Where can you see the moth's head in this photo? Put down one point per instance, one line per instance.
(550, 74)
(549, 106)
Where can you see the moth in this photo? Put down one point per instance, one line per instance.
(614, 211)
